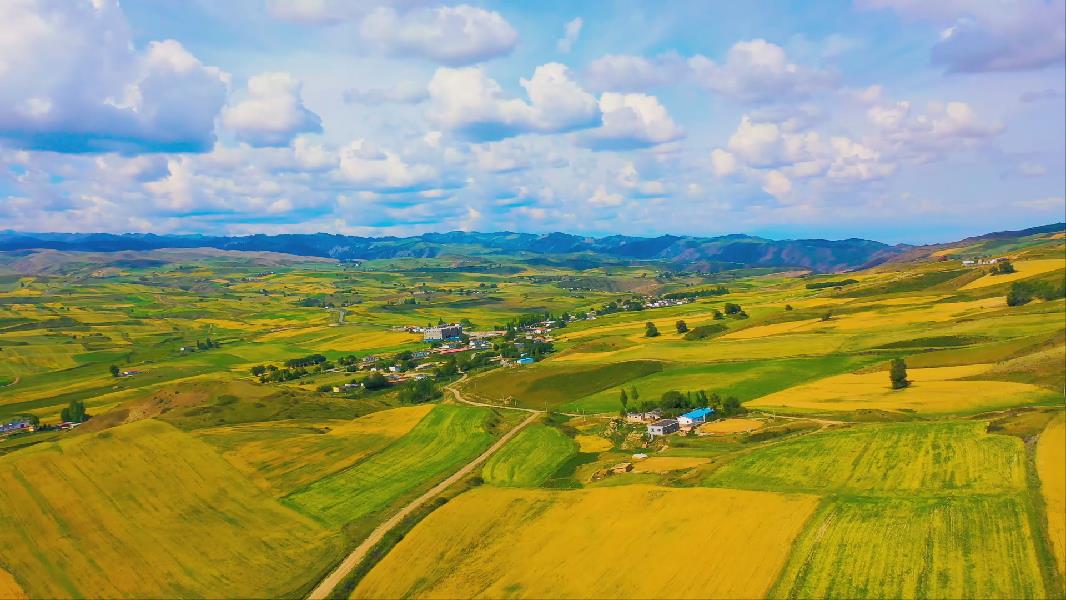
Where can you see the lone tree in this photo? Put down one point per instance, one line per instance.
(74, 412)
(1002, 268)
(650, 330)
(898, 374)
(828, 315)
(624, 400)
(788, 307)
(681, 326)
(114, 371)
(634, 395)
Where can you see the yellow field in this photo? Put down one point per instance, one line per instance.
(593, 443)
(9, 588)
(1051, 465)
(1022, 269)
(932, 390)
(625, 542)
(144, 510)
(283, 456)
(731, 426)
(367, 340)
(765, 330)
(664, 464)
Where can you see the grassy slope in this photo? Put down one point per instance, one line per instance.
(1051, 466)
(146, 510)
(530, 458)
(443, 440)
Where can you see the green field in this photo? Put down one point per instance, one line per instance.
(530, 458)
(446, 438)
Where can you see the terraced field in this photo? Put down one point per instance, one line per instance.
(493, 542)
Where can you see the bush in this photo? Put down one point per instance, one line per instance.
(1024, 292)
(650, 330)
(830, 284)
(705, 331)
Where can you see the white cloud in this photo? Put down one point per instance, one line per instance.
(628, 73)
(756, 71)
(601, 197)
(273, 114)
(450, 35)
(978, 35)
(367, 167)
(403, 92)
(632, 121)
(757, 143)
(571, 32)
(723, 164)
(471, 103)
(776, 184)
(950, 126)
(1049, 204)
(71, 80)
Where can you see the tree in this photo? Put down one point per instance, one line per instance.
(114, 371)
(650, 330)
(74, 412)
(732, 309)
(634, 395)
(898, 374)
(718, 316)
(258, 370)
(1002, 268)
(828, 315)
(731, 406)
(788, 307)
(681, 326)
(375, 381)
(623, 399)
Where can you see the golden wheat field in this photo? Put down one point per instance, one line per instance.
(623, 542)
(1022, 269)
(933, 390)
(664, 464)
(732, 426)
(1051, 466)
(144, 510)
(592, 443)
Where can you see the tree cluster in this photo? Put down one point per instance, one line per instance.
(74, 412)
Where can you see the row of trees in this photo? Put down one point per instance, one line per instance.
(674, 403)
(1024, 292)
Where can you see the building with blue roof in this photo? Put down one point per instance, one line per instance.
(695, 417)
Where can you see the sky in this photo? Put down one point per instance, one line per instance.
(897, 120)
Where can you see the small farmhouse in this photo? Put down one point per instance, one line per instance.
(694, 417)
(663, 427)
(444, 332)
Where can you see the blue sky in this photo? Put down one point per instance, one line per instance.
(898, 120)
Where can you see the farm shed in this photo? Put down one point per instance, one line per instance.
(694, 417)
(663, 427)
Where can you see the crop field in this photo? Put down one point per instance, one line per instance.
(445, 438)
(915, 548)
(939, 457)
(292, 454)
(937, 390)
(1051, 467)
(494, 543)
(146, 510)
(553, 386)
(727, 426)
(530, 458)
(1023, 269)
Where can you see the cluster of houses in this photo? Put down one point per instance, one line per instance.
(660, 426)
(19, 424)
(975, 262)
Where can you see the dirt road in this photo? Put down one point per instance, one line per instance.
(333, 579)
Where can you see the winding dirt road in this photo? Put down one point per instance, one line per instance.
(331, 581)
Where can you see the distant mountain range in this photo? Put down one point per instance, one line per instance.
(697, 253)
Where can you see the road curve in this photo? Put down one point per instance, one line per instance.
(331, 581)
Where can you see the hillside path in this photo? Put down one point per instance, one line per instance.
(327, 585)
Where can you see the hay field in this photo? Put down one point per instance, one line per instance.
(937, 457)
(936, 390)
(291, 454)
(593, 443)
(624, 542)
(1022, 270)
(144, 510)
(444, 439)
(530, 458)
(1051, 467)
(950, 547)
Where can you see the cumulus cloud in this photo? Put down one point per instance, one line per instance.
(71, 80)
(632, 121)
(756, 71)
(723, 164)
(571, 31)
(469, 102)
(628, 73)
(943, 127)
(403, 92)
(273, 114)
(981, 36)
(602, 198)
(449, 35)
(776, 184)
(369, 168)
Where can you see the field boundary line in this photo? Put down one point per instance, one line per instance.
(327, 585)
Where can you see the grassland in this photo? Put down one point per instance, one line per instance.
(1051, 467)
(144, 510)
(444, 439)
(530, 458)
(495, 542)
